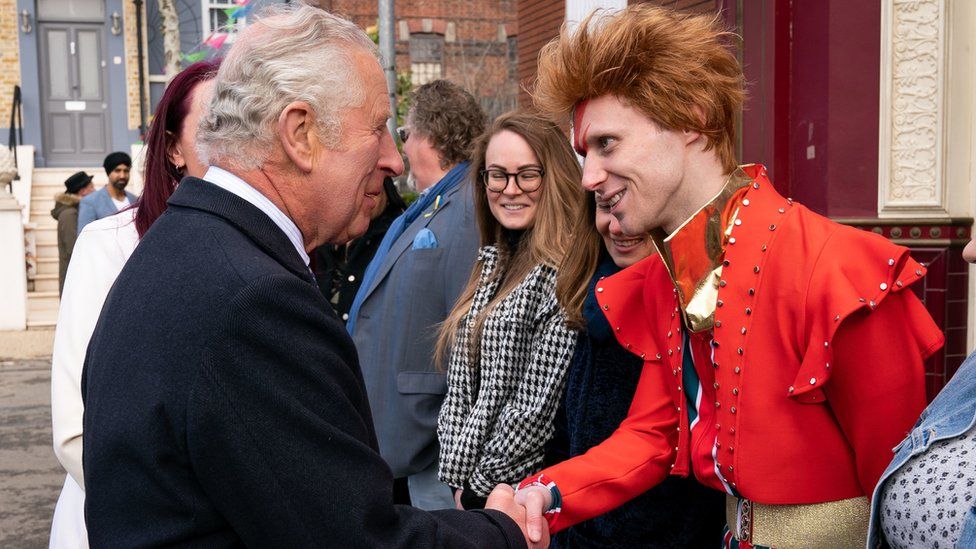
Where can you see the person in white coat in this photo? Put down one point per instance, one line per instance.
(100, 253)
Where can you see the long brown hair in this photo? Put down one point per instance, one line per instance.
(549, 238)
(579, 264)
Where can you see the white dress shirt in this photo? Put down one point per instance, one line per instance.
(233, 184)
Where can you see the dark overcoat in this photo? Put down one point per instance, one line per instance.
(225, 406)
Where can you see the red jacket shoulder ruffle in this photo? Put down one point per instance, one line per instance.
(819, 339)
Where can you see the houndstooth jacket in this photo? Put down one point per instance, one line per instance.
(498, 414)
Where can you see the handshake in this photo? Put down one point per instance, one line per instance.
(526, 508)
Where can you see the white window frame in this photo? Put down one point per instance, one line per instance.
(207, 5)
(435, 70)
(578, 10)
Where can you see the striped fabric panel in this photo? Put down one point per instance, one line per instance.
(691, 381)
(694, 393)
(728, 488)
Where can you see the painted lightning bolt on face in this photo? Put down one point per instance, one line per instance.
(579, 142)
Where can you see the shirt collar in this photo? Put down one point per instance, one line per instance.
(694, 253)
(233, 184)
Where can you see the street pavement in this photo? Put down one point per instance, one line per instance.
(30, 475)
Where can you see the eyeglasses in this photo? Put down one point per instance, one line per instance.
(527, 180)
(404, 133)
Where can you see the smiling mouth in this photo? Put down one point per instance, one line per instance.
(514, 207)
(613, 200)
(626, 244)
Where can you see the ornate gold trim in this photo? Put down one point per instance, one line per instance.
(693, 253)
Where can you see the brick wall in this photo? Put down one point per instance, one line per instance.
(131, 61)
(479, 41)
(690, 5)
(945, 288)
(9, 56)
(944, 293)
(539, 22)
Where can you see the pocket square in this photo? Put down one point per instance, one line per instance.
(424, 239)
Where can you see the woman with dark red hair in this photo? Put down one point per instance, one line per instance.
(100, 252)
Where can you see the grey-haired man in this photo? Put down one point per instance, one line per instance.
(238, 415)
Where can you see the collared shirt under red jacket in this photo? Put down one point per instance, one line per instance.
(819, 366)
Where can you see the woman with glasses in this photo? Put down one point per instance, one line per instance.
(506, 340)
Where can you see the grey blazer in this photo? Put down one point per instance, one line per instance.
(98, 205)
(413, 292)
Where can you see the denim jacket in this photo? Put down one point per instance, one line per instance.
(952, 413)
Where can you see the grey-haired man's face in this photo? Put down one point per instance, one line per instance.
(348, 178)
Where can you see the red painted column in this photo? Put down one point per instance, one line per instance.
(813, 73)
(812, 114)
(764, 27)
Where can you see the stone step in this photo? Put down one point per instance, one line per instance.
(48, 182)
(42, 309)
(46, 282)
(46, 236)
(43, 298)
(47, 266)
(47, 250)
(42, 190)
(58, 176)
(42, 324)
(42, 321)
(41, 217)
(42, 204)
(48, 192)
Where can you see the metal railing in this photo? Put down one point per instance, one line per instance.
(16, 136)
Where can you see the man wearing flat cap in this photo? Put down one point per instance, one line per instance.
(112, 197)
(65, 212)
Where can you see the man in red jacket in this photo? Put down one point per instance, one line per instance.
(783, 356)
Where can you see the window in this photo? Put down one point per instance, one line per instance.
(70, 10)
(216, 18)
(426, 57)
(422, 73)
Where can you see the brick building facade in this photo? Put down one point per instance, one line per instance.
(75, 62)
(474, 44)
(133, 118)
(9, 56)
(540, 21)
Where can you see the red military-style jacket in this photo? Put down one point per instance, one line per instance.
(818, 365)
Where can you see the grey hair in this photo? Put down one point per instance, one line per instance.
(294, 52)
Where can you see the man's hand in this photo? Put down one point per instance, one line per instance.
(503, 499)
(457, 499)
(536, 501)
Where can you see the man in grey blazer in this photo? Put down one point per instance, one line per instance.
(112, 197)
(410, 289)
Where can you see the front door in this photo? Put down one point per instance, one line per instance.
(74, 87)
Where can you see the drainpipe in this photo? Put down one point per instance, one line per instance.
(388, 50)
(142, 72)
